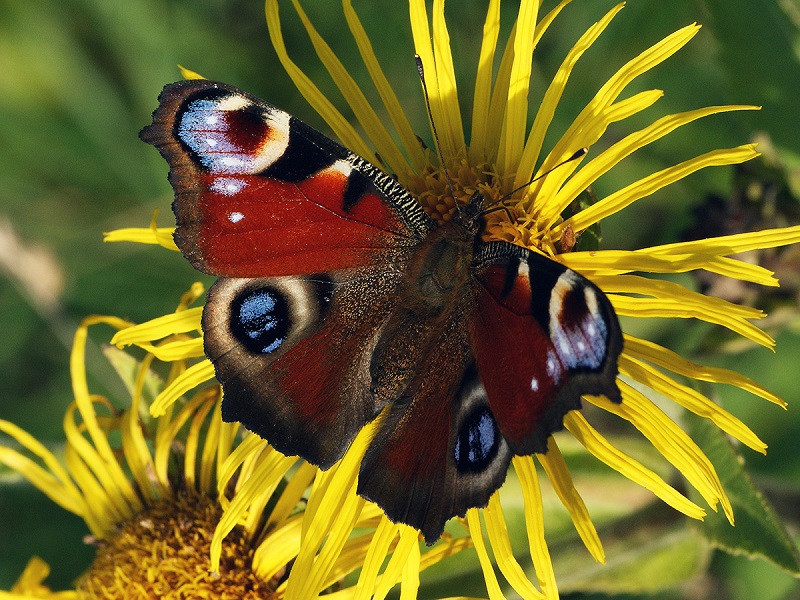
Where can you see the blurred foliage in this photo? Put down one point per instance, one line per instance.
(78, 80)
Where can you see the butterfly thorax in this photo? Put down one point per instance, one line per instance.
(437, 275)
(433, 294)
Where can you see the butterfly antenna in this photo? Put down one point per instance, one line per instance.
(500, 206)
(421, 72)
(579, 154)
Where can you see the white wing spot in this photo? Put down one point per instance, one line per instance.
(235, 217)
(212, 120)
(342, 167)
(232, 102)
(523, 270)
(228, 186)
(534, 384)
(553, 367)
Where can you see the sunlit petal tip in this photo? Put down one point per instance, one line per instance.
(189, 74)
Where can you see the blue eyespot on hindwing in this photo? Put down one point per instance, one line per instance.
(260, 319)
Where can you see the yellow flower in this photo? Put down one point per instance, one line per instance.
(153, 491)
(500, 159)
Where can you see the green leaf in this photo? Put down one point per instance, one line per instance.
(758, 531)
(650, 551)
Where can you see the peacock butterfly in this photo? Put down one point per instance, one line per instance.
(339, 300)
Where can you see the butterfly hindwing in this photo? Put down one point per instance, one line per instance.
(543, 335)
(292, 354)
(438, 451)
(258, 193)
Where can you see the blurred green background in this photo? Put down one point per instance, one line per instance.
(80, 78)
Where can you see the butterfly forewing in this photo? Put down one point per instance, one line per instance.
(543, 335)
(259, 193)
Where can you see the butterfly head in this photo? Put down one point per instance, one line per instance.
(471, 215)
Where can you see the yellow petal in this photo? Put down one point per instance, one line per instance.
(449, 122)
(594, 119)
(268, 474)
(691, 400)
(558, 473)
(194, 376)
(547, 108)
(609, 158)
(373, 126)
(618, 262)
(329, 495)
(134, 444)
(251, 450)
(189, 74)
(177, 350)
(113, 497)
(153, 235)
(733, 244)
(483, 83)
(67, 497)
(117, 481)
(279, 548)
(193, 438)
(675, 309)
(668, 299)
(159, 328)
(383, 537)
(292, 494)
(652, 183)
(319, 102)
(489, 576)
(406, 546)
(516, 115)
(304, 584)
(409, 587)
(445, 548)
(398, 116)
(599, 447)
(495, 136)
(197, 408)
(30, 584)
(53, 480)
(544, 189)
(140, 235)
(671, 441)
(534, 524)
(667, 359)
(501, 548)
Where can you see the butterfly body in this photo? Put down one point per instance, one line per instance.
(339, 301)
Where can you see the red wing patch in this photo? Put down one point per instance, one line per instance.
(256, 226)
